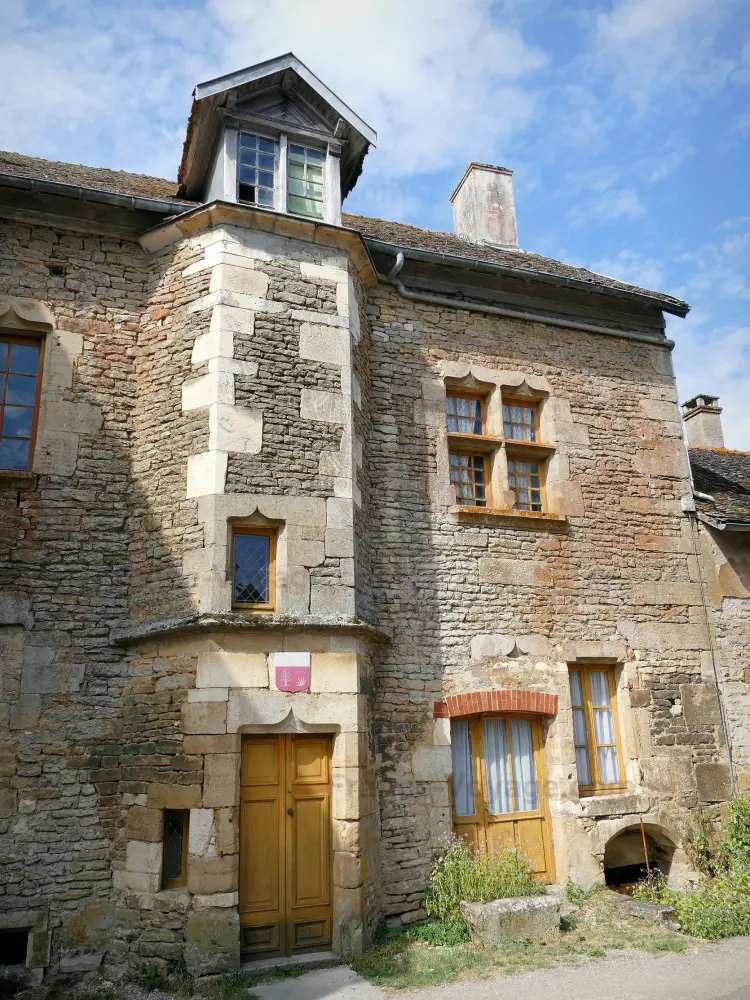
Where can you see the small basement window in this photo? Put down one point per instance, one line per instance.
(256, 170)
(13, 947)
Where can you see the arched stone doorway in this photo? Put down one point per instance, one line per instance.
(625, 856)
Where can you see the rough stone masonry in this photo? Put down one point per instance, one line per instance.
(214, 361)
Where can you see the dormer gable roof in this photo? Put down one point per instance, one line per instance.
(281, 93)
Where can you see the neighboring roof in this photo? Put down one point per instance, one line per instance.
(725, 476)
(402, 235)
(77, 175)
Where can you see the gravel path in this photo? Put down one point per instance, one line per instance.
(706, 972)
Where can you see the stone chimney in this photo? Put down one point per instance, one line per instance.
(483, 207)
(702, 416)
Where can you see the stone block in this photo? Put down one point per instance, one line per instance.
(664, 592)
(80, 963)
(207, 694)
(441, 732)
(347, 870)
(329, 344)
(143, 856)
(173, 796)
(217, 899)
(700, 705)
(136, 881)
(348, 750)
(145, 824)
(339, 514)
(334, 672)
(516, 572)
(212, 941)
(207, 390)
(323, 406)
(327, 271)
(525, 918)
(212, 744)
(342, 710)
(653, 635)
(345, 797)
(210, 875)
(56, 453)
(332, 600)
(221, 783)
(256, 707)
(590, 652)
(244, 280)
(566, 498)
(235, 428)
(15, 609)
(227, 826)
(669, 773)
(43, 674)
(24, 714)
(348, 907)
(431, 763)
(7, 802)
(713, 781)
(206, 473)
(200, 831)
(620, 804)
(231, 670)
(640, 697)
(204, 719)
(346, 836)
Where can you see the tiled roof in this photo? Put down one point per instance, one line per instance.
(397, 233)
(724, 475)
(403, 235)
(99, 178)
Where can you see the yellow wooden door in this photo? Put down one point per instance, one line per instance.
(285, 838)
(502, 801)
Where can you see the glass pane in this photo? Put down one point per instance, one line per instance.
(265, 196)
(314, 191)
(248, 139)
(583, 767)
(524, 771)
(579, 727)
(609, 766)
(604, 726)
(296, 186)
(250, 577)
(314, 173)
(3, 353)
(248, 175)
(515, 414)
(297, 170)
(17, 421)
(304, 206)
(463, 772)
(265, 178)
(599, 687)
(266, 145)
(496, 766)
(174, 833)
(248, 157)
(21, 389)
(265, 161)
(24, 358)
(296, 152)
(14, 453)
(315, 155)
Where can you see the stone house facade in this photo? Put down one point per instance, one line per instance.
(324, 536)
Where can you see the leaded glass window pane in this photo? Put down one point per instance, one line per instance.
(305, 181)
(519, 422)
(19, 385)
(469, 476)
(525, 479)
(175, 834)
(251, 568)
(256, 170)
(464, 415)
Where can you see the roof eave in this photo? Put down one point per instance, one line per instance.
(722, 524)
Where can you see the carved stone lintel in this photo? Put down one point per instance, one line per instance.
(25, 314)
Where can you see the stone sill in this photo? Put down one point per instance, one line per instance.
(474, 442)
(516, 518)
(237, 622)
(13, 479)
(615, 804)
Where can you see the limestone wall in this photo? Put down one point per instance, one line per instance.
(479, 602)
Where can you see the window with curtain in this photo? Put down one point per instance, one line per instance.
(595, 730)
(501, 752)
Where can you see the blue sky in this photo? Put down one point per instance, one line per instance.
(627, 123)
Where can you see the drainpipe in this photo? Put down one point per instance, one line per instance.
(430, 298)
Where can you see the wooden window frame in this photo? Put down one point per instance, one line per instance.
(597, 787)
(270, 533)
(474, 397)
(487, 505)
(542, 481)
(181, 882)
(7, 337)
(276, 168)
(530, 403)
(288, 194)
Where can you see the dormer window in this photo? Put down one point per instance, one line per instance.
(305, 181)
(257, 170)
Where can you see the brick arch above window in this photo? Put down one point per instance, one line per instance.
(500, 700)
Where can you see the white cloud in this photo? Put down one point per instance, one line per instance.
(660, 48)
(607, 207)
(634, 268)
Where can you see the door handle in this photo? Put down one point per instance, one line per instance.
(290, 812)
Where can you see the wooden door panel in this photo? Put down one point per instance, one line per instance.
(310, 851)
(259, 876)
(310, 761)
(530, 840)
(500, 835)
(261, 762)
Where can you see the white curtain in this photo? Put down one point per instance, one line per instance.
(604, 728)
(579, 729)
(496, 767)
(524, 772)
(463, 774)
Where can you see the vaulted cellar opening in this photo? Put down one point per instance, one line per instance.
(625, 855)
(13, 945)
